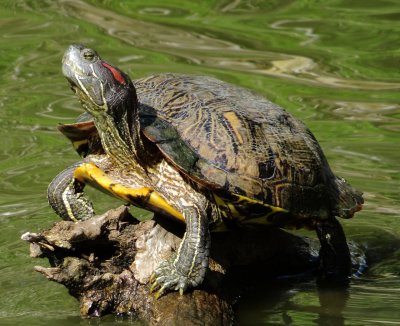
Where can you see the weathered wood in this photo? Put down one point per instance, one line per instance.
(106, 263)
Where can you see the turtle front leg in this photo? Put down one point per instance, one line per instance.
(186, 268)
(66, 197)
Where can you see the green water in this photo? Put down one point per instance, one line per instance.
(334, 64)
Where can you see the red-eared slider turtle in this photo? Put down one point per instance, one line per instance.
(201, 151)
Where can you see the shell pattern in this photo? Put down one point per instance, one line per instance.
(246, 145)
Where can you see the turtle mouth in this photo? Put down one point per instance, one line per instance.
(82, 97)
(75, 87)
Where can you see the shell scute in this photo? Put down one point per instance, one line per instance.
(241, 143)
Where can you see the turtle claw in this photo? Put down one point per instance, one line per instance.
(152, 279)
(159, 293)
(167, 278)
(154, 286)
(158, 287)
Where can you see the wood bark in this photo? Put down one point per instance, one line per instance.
(106, 263)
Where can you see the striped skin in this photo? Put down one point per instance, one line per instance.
(66, 197)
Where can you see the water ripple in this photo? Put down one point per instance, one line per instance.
(335, 72)
(201, 49)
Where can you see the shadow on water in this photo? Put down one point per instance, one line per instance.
(330, 63)
(295, 304)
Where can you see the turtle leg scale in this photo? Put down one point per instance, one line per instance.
(187, 268)
(66, 197)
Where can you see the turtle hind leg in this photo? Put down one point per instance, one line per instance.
(335, 259)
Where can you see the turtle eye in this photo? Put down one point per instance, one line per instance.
(88, 55)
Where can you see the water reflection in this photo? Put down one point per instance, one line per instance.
(306, 304)
(308, 32)
(328, 311)
(296, 304)
(200, 49)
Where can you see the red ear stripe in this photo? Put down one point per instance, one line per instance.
(115, 73)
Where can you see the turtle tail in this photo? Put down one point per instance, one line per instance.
(348, 199)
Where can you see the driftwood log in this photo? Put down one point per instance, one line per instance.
(106, 263)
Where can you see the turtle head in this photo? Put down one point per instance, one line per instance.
(109, 96)
(101, 87)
